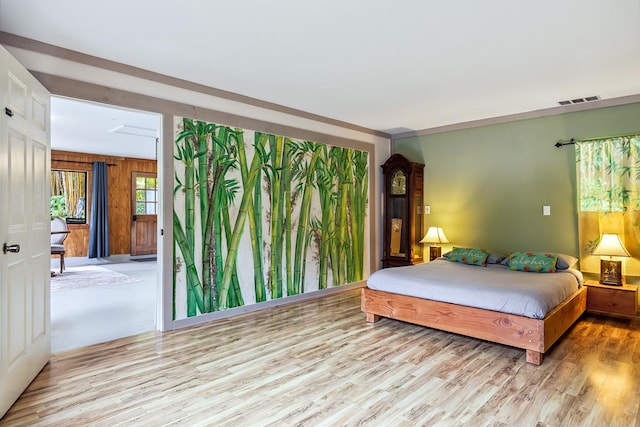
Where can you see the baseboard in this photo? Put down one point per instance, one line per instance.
(208, 317)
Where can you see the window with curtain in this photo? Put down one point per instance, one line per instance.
(608, 178)
(69, 195)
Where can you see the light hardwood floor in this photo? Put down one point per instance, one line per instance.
(319, 363)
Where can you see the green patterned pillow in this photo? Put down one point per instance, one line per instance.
(469, 256)
(533, 261)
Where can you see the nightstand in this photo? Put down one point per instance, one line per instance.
(618, 300)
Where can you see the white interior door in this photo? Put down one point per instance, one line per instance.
(25, 152)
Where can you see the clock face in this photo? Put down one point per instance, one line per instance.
(398, 183)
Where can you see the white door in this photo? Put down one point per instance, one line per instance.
(25, 152)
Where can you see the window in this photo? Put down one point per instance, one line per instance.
(146, 195)
(608, 189)
(608, 174)
(69, 195)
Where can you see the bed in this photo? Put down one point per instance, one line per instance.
(478, 301)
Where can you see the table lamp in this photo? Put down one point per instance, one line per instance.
(610, 270)
(435, 236)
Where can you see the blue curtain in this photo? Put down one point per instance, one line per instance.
(99, 223)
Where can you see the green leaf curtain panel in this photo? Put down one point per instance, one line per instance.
(99, 224)
(608, 178)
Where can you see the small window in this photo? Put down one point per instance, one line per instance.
(146, 195)
(69, 196)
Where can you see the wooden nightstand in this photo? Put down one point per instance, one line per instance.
(619, 300)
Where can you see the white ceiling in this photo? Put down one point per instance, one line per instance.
(101, 129)
(387, 65)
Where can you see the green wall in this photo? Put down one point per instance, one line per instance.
(487, 185)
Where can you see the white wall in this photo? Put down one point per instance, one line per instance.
(101, 73)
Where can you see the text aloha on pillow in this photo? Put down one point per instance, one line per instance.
(540, 262)
(469, 256)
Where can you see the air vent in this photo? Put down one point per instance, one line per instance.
(579, 100)
(135, 131)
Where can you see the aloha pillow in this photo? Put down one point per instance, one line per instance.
(469, 256)
(493, 258)
(564, 261)
(540, 262)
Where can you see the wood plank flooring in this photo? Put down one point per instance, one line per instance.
(319, 363)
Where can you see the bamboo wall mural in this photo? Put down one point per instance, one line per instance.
(259, 217)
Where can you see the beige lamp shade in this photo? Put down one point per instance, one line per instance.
(610, 245)
(434, 235)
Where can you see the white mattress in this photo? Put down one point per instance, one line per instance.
(493, 287)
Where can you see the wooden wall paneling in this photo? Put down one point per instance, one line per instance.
(119, 178)
(119, 210)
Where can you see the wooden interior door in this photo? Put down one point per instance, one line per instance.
(144, 209)
(25, 229)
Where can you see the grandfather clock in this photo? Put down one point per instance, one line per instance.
(402, 212)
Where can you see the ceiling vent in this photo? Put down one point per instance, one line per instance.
(135, 130)
(579, 100)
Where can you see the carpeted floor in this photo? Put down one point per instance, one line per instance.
(88, 276)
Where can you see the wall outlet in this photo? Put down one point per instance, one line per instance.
(546, 210)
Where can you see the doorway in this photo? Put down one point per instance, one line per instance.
(144, 221)
(118, 295)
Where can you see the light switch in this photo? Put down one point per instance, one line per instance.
(546, 210)
(427, 209)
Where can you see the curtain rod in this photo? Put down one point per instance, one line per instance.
(572, 141)
(81, 161)
(563, 143)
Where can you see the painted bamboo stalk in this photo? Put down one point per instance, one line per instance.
(359, 198)
(186, 154)
(276, 145)
(324, 225)
(174, 282)
(195, 134)
(254, 207)
(343, 172)
(257, 241)
(288, 202)
(235, 292)
(190, 196)
(333, 169)
(223, 158)
(232, 252)
(302, 236)
(202, 136)
(194, 287)
(309, 238)
(215, 240)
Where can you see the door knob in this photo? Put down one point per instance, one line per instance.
(10, 248)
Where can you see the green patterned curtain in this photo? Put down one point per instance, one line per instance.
(608, 177)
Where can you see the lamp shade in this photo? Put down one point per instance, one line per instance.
(434, 235)
(610, 245)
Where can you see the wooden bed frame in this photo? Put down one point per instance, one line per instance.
(533, 335)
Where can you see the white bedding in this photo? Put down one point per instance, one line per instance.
(493, 287)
